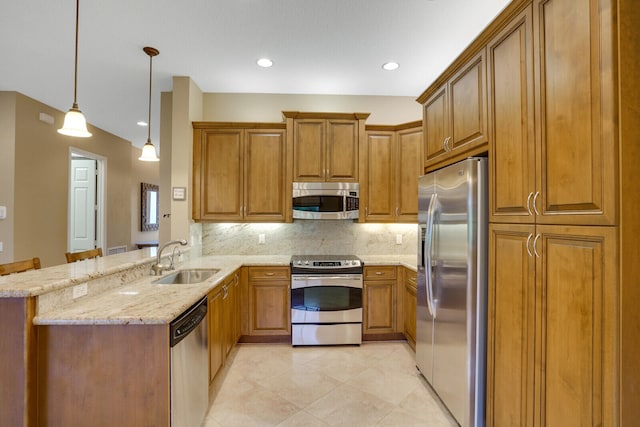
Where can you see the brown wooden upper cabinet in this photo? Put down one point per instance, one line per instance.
(391, 163)
(239, 171)
(560, 168)
(455, 112)
(325, 145)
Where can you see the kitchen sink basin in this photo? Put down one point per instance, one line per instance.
(185, 277)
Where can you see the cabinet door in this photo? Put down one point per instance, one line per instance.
(379, 179)
(576, 109)
(269, 308)
(341, 151)
(436, 124)
(379, 306)
(510, 326)
(409, 166)
(467, 105)
(221, 175)
(216, 333)
(577, 292)
(410, 302)
(228, 317)
(309, 150)
(264, 191)
(512, 153)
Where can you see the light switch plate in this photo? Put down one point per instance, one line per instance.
(398, 239)
(3, 212)
(261, 239)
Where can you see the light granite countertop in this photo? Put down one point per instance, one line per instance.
(136, 300)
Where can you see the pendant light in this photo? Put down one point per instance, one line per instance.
(148, 150)
(74, 122)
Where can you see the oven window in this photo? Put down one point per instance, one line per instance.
(319, 203)
(326, 298)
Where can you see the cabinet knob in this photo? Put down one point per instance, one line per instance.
(379, 273)
(529, 241)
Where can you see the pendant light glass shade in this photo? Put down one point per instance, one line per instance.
(149, 153)
(148, 150)
(74, 122)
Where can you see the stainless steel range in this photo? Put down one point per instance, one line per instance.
(326, 299)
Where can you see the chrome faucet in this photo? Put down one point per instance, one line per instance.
(158, 268)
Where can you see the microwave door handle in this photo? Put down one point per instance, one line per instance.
(428, 250)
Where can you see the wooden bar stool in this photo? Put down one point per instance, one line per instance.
(79, 256)
(20, 266)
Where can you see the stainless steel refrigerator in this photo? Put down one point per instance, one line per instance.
(452, 286)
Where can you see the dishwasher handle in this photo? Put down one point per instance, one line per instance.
(187, 321)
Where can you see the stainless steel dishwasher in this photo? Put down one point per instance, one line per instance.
(189, 366)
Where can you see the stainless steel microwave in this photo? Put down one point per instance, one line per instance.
(326, 200)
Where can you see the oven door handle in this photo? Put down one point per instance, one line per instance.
(327, 277)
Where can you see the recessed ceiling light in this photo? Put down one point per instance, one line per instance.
(141, 123)
(390, 66)
(265, 62)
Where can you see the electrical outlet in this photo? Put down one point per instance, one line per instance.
(261, 239)
(1, 247)
(80, 290)
(398, 239)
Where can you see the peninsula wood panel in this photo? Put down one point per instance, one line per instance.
(575, 103)
(510, 326)
(511, 118)
(103, 375)
(18, 367)
(264, 190)
(309, 150)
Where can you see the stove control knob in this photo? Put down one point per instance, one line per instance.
(306, 262)
(299, 262)
(347, 262)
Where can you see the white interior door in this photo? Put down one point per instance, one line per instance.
(83, 205)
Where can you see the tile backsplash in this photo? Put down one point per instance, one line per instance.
(308, 237)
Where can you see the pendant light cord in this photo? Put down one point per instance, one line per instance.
(75, 76)
(149, 119)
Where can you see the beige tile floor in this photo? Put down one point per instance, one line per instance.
(375, 384)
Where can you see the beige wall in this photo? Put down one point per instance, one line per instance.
(243, 107)
(148, 172)
(7, 155)
(41, 182)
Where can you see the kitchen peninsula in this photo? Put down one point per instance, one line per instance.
(114, 338)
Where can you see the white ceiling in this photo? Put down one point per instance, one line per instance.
(318, 47)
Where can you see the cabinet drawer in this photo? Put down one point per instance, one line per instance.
(380, 272)
(269, 273)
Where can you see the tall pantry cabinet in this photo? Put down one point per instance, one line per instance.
(564, 129)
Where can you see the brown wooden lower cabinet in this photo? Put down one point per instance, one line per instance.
(216, 332)
(103, 375)
(379, 300)
(410, 286)
(551, 351)
(269, 301)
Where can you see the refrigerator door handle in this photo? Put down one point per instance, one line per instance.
(428, 248)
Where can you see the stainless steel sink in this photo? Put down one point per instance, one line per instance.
(185, 277)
